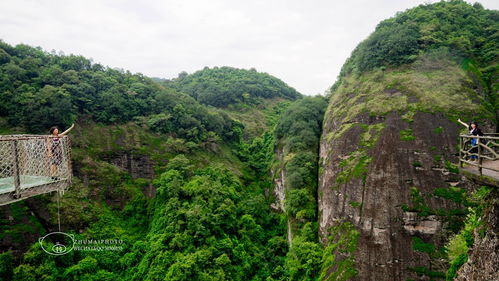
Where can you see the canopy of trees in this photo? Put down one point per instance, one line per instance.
(470, 31)
(221, 86)
(298, 133)
(39, 90)
(209, 229)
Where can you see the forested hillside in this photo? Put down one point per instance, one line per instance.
(41, 89)
(222, 86)
(170, 177)
(468, 31)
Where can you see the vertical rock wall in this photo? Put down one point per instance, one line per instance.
(378, 196)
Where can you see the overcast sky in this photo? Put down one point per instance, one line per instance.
(304, 43)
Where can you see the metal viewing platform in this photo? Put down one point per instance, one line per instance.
(31, 165)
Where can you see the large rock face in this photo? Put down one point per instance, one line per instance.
(137, 165)
(374, 203)
(384, 151)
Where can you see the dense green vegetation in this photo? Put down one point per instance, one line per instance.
(469, 31)
(486, 84)
(210, 229)
(205, 223)
(213, 138)
(222, 86)
(297, 135)
(432, 37)
(215, 183)
(459, 245)
(211, 216)
(40, 90)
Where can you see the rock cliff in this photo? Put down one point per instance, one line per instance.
(388, 144)
(388, 149)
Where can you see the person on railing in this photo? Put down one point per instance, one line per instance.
(475, 131)
(54, 147)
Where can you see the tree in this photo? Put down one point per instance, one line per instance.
(486, 82)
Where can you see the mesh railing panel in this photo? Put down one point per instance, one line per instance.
(7, 164)
(31, 165)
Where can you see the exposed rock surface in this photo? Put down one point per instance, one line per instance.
(385, 250)
(416, 225)
(483, 259)
(137, 165)
(280, 192)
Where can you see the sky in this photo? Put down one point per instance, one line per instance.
(304, 43)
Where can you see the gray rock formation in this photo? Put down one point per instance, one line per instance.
(137, 165)
(374, 199)
(483, 258)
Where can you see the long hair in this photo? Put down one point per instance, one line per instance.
(473, 122)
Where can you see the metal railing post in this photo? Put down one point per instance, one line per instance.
(68, 155)
(479, 143)
(17, 180)
(461, 148)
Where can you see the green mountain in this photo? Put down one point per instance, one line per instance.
(390, 141)
(223, 86)
(169, 177)
(40, 90)
(468, 31)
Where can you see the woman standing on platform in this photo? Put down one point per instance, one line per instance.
(475, 131)
(55, 149)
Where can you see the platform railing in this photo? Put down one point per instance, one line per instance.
(486, 148)
(32, 164)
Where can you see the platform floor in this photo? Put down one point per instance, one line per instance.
(7, 184)
(493, 175)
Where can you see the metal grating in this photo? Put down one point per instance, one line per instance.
(31, 165)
